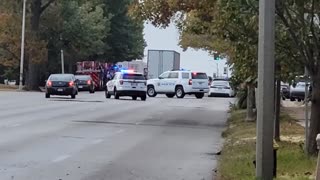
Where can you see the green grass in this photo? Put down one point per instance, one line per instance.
(238, 154)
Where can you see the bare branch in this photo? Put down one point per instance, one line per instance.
(301, 47)
(44, 7)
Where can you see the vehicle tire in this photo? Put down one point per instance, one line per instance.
(180, 92)
(47, 95)
(292, 99)
(299, 100)
(170, 95)
(151, 91)
(134, 97)
(144, 98)
(108, 96)
(116, 94)
(73, 96)
(199, 96)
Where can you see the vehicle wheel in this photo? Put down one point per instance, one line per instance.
(151, 91)
(170, 95)
(73, 96)
(199, 96)
(180, 92)
(47, 95)
(299, 100)
(143, 98)
(108, 96)
(292, 99)
(134, 97)
(116, 94)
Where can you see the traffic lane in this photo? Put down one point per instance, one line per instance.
(35, 120)
(174, 150)
(130, 152)
(31, 144)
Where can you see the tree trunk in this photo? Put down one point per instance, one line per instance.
(33, 71)
(70, 68)
(277, 111)
(250, 103)
(315, 115)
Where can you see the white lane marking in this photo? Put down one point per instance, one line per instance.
(97, 141)
(60, 158)
(10, 125)
(119, 131)
(14, 125)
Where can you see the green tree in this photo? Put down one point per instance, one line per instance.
(229, 27)
(79, 28)
(125, 41)
(301, 19)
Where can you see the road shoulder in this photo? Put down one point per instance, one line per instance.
(238, 154)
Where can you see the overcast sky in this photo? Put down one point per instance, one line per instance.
(168, 39)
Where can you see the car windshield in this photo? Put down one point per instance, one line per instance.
(60, 77)
(133, 76)
(300, 85)
(83, 77)
(220, 83)
(199, 75)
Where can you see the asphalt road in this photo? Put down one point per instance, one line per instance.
(92, 138)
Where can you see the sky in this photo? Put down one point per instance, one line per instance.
(168, 39)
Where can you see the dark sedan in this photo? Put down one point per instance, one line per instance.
(62, 85)
(85, 83)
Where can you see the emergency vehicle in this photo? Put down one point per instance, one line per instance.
(179, 83)
(127, 83)
(97, 70)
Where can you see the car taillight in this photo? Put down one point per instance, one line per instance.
(121, 82)
(71, 83)
(89, 82)
(190, 81)
(49, 83)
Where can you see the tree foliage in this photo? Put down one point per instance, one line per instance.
(231, 28)
(86, 30)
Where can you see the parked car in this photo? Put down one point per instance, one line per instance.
(221, 88)
(62, 85)
(85, 83)
(297, 92)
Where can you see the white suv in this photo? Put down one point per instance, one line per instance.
(179, 83)
(127, 83)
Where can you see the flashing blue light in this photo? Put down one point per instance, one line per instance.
(182, 69)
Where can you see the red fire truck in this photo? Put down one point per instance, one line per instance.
(96, 70)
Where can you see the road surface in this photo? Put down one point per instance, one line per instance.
(92, 138)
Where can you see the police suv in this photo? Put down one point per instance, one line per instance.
(179, 83)
(127, 83)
